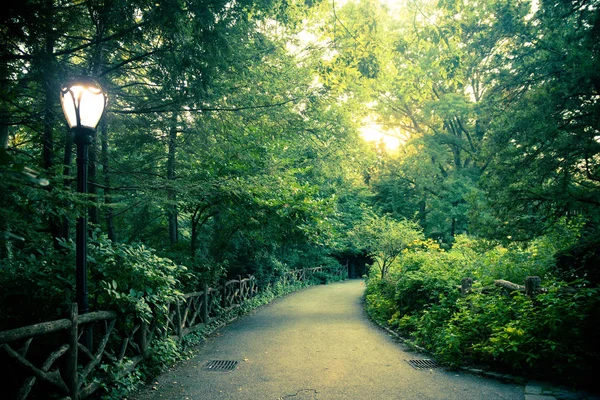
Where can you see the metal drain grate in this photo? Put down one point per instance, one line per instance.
(221, 365)
(423, 364)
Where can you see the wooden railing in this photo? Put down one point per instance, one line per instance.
(306, 275)
(54, 352)
(531, 286)
(79, 361)
(201, 308)
(299, 275)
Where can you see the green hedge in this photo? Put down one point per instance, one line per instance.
(552, 335)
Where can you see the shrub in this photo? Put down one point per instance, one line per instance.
(131, 278)
(35, 286)
(552, 334)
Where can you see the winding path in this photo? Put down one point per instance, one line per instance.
(316, 344)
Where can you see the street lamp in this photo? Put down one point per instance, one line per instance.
(83, 103)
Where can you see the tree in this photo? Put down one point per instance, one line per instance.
(385, 238)
(424, 73)
(546, 127)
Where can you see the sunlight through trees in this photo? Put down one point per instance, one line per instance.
(256, 137)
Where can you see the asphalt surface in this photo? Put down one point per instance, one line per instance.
(316, 344)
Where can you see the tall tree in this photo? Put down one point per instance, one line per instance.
(546, 127)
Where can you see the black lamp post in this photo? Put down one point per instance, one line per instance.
(83, 103)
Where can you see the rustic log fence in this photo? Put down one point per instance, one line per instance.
(309, 275)
(299, 275)
(200, 308)
(531, 286)
(67, 369)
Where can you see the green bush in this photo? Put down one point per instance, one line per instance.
(122, 277)
(551, 334)
(35, 286)
(131, 278)
(554, 333)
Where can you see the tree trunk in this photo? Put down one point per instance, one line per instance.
(3, 224)
(97, 14)
(95, 66)
(193, 240)
(3, 133)
(47, 140)
(67, 161)
(108, 215)
(172, 196)
(423, 211)
(197, 221)
(92, 177)
(46, 64)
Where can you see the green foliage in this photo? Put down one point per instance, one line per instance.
(121, 386)
(379, 298)
(580, 260)
(36, 286)
(217, 149)
(550, 334)
(385, 239)
(163, 354)
(132, 279)
(545, 163)
(230, 146)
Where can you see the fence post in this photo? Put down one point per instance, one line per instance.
(532, 285)
(143, 336)
(205, 304)
(224, 294)
(179, 327)
(241, 292)
(71, 371)
(252, 285)
(465, 285)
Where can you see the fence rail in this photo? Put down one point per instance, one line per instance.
(59, 360)
(531, 286)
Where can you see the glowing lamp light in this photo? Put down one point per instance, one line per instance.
(83, 103)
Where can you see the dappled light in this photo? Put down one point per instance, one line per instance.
(446, 152)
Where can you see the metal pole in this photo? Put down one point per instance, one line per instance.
(83, 138)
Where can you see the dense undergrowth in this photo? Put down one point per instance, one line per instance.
(39, 283)
(551, 335)
(137, 283)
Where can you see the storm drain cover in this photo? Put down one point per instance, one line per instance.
(423, 364)
(221, 365)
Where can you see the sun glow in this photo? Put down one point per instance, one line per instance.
(374, 132)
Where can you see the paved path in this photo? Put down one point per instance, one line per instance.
(316, 344)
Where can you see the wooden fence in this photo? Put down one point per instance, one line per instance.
(531, 286)
(299, 275)
(53, 355)
(201, 308)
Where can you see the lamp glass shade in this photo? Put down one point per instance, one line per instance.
(83, 103)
